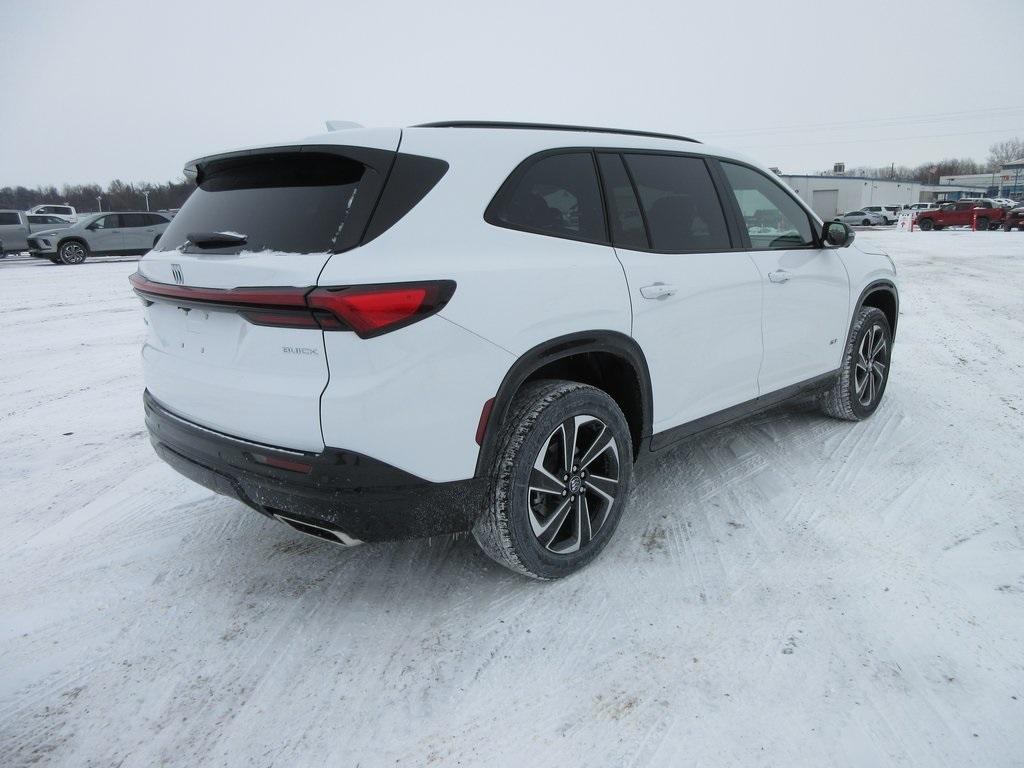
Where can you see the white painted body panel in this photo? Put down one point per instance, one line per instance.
(805, 318)
(702, 342)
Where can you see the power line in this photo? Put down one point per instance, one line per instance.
(933, 118)
(864, 141)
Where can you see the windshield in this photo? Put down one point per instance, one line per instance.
(291, 202)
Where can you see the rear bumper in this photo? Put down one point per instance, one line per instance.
(343, 491)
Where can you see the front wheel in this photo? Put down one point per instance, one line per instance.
(72, 252)
(560, 481)
(926, 225)
(982, 224)
(860, 385)
(866, 222)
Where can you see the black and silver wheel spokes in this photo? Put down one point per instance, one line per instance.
(573, 484)
(870, 368)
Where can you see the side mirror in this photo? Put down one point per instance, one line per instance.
(837, 234)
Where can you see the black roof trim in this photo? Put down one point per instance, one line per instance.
(551, 127)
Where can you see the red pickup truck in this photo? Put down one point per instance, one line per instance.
(962, 213)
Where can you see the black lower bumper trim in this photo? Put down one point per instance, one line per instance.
(361, 497)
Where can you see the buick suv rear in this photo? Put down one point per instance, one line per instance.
(392, 333)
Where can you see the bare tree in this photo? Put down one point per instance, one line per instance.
(1005, 151)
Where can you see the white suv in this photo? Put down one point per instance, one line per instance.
(391, 333)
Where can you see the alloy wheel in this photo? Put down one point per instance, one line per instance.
(573, 484)
(871, 366)
(72, 253)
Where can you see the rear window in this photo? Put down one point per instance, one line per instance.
(291, 202)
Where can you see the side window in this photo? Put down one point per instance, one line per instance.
(773, 218)
(108, 222)
(680, 203)
(557, 195)
(134, 220)
(155, 219)
(627, 222)
(9, 218)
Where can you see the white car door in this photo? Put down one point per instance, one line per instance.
(806, 287)
(696, 301)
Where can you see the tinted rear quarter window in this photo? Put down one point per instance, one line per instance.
(9, 218)
(680, 203)
(291, 202)
(555, 195)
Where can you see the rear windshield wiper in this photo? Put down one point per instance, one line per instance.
(216, 239)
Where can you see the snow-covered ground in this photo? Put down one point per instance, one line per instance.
(790, 591)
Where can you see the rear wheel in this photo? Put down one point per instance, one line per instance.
(560, 481)
(72, 252)
(865, 371)
(982, 224)
(866, 222)
(926, 224)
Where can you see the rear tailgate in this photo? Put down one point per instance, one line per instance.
(227, 368)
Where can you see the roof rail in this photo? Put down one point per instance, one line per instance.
(550, 127)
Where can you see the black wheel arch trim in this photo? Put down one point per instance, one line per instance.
(610, 342)
(877, 286)
(75, 239)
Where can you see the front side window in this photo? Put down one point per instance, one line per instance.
(113, 221)
(772, 217)
(556, 195)
(680, 203)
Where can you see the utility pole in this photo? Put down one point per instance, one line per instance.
(99, 204)
(146, 193)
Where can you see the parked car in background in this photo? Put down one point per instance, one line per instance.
(1014, 218)
(1005, 202)
(430, 358)
(17, 226)
(889, 213)
(101, 234)
(862, 217)
(64, 210)
(920, 206)
(963, 213)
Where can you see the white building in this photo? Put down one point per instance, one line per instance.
(829, 196)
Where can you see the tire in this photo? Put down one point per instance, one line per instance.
(866, 222)
(858, 389)
(72, 252)
(525, 504)
(926, 225)
(982, 224)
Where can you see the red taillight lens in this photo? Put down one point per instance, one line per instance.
(369, 310)
(373, 310)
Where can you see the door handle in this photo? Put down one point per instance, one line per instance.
(779, 276)
(657, 291)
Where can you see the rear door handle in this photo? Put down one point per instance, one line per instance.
(779, 276)
(657, 291)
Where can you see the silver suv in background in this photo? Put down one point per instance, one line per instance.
(102, 234)
(65, 211)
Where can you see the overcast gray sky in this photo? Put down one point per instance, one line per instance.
(95, 90)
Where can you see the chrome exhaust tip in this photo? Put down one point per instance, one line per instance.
(319, 531)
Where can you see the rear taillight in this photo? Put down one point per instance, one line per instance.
(371, 310)
(368, 310)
